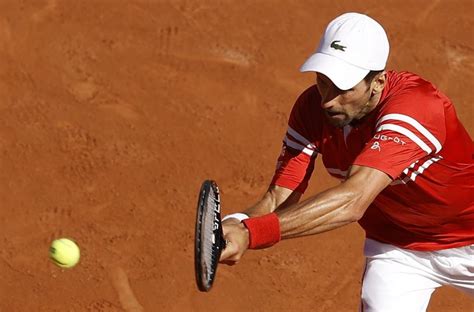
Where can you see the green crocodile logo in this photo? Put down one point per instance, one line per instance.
(336, 46)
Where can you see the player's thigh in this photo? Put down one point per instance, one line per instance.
(392, 285)
(456, 265)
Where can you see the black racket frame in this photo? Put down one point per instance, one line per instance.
(204, 282)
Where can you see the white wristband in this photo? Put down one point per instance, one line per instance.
(239, 216)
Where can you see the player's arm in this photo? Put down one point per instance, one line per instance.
(335, 207)
(296, 160)
(294, 168)
(331, 209)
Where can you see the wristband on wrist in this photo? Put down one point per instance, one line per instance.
(264, 231)
(239, 216)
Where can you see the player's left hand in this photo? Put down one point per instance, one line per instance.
(237, 237)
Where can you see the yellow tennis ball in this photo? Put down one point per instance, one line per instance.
(64, 252)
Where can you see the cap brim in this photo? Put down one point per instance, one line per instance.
(341, 73)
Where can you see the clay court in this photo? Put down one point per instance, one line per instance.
(114, 112)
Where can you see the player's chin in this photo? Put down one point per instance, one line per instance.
(338, 120)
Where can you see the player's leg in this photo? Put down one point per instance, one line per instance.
(456, 266)
(395, 281)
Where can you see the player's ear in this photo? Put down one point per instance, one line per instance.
(378, 83)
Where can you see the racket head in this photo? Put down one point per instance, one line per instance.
(209, 239)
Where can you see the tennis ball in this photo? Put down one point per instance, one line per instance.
(64, 252)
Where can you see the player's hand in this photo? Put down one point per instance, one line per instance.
(237, 237)
(230, 221)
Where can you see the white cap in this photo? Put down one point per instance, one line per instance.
(352, 46)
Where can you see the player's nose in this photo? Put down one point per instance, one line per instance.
(330, 102)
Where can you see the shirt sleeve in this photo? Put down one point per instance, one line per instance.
(299, 150)
(410, 128)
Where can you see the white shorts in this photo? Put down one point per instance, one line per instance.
(397, 279)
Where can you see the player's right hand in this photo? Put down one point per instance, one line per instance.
(237, 238)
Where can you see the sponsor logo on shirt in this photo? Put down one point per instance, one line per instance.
(375, 146)
(383, 137)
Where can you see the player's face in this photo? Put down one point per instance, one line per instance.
(341, 107)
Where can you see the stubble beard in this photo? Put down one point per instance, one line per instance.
(339, 123)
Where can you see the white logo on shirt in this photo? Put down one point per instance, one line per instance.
(384, 137)
(375, 146)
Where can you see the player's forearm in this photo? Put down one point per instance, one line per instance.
(328, 210)
(335, 207)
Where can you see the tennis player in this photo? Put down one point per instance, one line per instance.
(405, 163)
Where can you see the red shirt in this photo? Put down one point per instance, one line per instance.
(415, 137)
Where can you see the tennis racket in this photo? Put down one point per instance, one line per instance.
(209, 239)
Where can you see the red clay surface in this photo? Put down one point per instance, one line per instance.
(113, 112)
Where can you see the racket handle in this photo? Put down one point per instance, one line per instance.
(223, 244)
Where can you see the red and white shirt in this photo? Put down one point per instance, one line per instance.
(415, 137)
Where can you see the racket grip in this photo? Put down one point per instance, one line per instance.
(223, 243)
